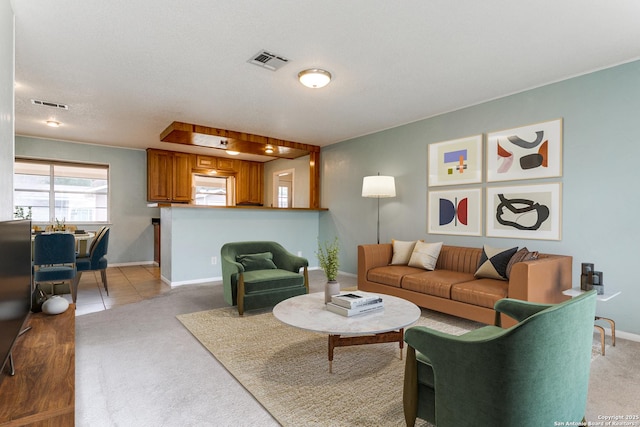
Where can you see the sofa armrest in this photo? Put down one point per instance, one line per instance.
(541, 280)
(372, 256)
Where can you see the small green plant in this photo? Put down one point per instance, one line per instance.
(328, 258)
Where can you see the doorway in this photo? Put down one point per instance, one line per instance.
(283, 188)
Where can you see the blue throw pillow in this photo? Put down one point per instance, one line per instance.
(260, 261)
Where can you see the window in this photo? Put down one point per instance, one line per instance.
(212, 190)
(73, 192)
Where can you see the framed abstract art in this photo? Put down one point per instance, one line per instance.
(527, 152)
(524, 212)
(456, 211)
(455, 162)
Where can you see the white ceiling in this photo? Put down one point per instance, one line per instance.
(129, 68)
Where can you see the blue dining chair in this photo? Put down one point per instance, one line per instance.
(54, 259)
(96, 261)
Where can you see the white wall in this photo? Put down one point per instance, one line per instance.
(7, 115)
(300, 183)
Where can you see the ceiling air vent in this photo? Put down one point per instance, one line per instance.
(49, 104)
(268, 60)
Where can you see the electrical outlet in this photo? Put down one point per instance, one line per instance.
(214, 260)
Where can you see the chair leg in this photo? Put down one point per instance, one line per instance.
(74, 286)
(410, 392)
(240, 294)
(103, 274)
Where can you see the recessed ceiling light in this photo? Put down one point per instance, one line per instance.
(53, 123)
(315, 78)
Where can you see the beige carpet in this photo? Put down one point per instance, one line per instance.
(286, 369)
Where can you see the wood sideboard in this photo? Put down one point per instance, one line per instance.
(42, 392)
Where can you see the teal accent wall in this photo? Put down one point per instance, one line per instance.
(131, 236)
(195, 235)
(599, 183)
(6, 109)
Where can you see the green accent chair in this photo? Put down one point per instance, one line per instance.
(260, 274)
(533, 374)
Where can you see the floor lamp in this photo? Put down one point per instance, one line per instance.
(377, 187)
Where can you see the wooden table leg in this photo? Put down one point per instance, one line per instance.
(613, 328)
(601, 329)
(384, 337)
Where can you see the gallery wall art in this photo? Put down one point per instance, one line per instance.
(455, 212)
(527, 152)
(524, 212)
(458, 161)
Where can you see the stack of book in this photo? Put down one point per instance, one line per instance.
(353, 303)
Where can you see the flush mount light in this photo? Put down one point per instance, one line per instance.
(53, 123)
(314, 78)
(232, 153)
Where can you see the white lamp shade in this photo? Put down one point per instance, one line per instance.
(378, 186)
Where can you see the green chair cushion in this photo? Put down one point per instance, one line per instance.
(259, 261)
(264, 280)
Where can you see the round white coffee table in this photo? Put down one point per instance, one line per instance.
(309, 312)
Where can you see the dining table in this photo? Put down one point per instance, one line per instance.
(82, 240)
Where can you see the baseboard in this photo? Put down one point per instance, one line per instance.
(129, 264)
(622, 334)
(190, 282)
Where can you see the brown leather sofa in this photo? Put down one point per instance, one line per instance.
(452, 288)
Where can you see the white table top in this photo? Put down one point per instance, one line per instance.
(310, 313)
(574, 292)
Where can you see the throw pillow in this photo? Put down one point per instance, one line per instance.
(401, 252)
(425, 255)
(260, 261)
(522, 255)
(493, 263)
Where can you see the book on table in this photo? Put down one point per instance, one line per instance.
(348, 312)
(355, 299)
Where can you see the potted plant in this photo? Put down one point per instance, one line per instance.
(328, 257)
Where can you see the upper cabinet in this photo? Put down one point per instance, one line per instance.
(249, 184)
(168, 176)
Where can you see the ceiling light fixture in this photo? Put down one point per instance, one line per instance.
(53, 123)
(314, 78)
(232, 152)
(268, 149)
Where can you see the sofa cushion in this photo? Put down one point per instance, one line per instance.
(437, 282)
(457, 258)
(262, 280)
(522, 255)
(425, 255)
(493, 262)
(391, 274)
(481, 292)
(402, 252)
(259, 261)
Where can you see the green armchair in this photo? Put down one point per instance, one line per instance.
(533, 374)
(261, 274)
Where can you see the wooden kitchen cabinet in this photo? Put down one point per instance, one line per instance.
(225, 164)
(206, 162)
(168, 176)
(249, 183)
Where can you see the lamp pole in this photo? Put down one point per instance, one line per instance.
(377, 187)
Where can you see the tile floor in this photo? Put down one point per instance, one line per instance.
(126, 285)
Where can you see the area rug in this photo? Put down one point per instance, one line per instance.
(287, 371)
